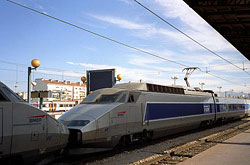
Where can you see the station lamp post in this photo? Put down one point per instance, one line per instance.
(35, 64)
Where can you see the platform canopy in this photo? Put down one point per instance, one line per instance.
(231, 18)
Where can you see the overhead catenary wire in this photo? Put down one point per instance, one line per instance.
(14, 70)
(189, 37)
(46, 68)
(40, 71)
(99, 35)
(13, 63)
(116, 41)
(223, 64)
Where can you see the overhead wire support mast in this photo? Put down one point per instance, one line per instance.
(190, 37)
(110, 39)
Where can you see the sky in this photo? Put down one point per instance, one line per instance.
(66, 53)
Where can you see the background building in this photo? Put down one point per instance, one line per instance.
(64, 94)
(23, 95)
(61, 90)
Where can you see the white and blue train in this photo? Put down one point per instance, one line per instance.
(136, 111)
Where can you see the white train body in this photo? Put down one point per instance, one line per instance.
(26, 132)
(135, 111)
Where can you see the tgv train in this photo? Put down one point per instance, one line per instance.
(136, 111)
(27, 133)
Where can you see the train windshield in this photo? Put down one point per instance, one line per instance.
(11, 96)
(78, 123)
(107, 98)
(91, 97)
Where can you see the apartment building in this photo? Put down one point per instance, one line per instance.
(61, 90)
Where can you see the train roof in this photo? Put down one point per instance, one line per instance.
(163, 89)
(132, 86)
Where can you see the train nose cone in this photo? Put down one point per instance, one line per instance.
(88, 111)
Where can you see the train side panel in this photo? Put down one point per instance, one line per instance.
(168, 114)
(29, 128)
(229, 108)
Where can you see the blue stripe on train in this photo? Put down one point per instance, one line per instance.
(156, 111)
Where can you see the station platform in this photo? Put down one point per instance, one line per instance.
(235, 150)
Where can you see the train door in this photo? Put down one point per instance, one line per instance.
(118, 122)
(5, 128)
(214, 107)
(103, 126)
(143, 109)
(134, 120)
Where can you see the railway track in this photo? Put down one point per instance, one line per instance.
(181, 153)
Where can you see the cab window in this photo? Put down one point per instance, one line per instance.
(133, 97)
(107, 98)
(2, 98)
(11, 95)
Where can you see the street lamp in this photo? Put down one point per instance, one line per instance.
(119, 77)
(35, 63)
(83, 78)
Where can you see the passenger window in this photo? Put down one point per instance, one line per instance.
(131, 99)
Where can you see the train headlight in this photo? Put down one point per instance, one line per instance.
(79, 136)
